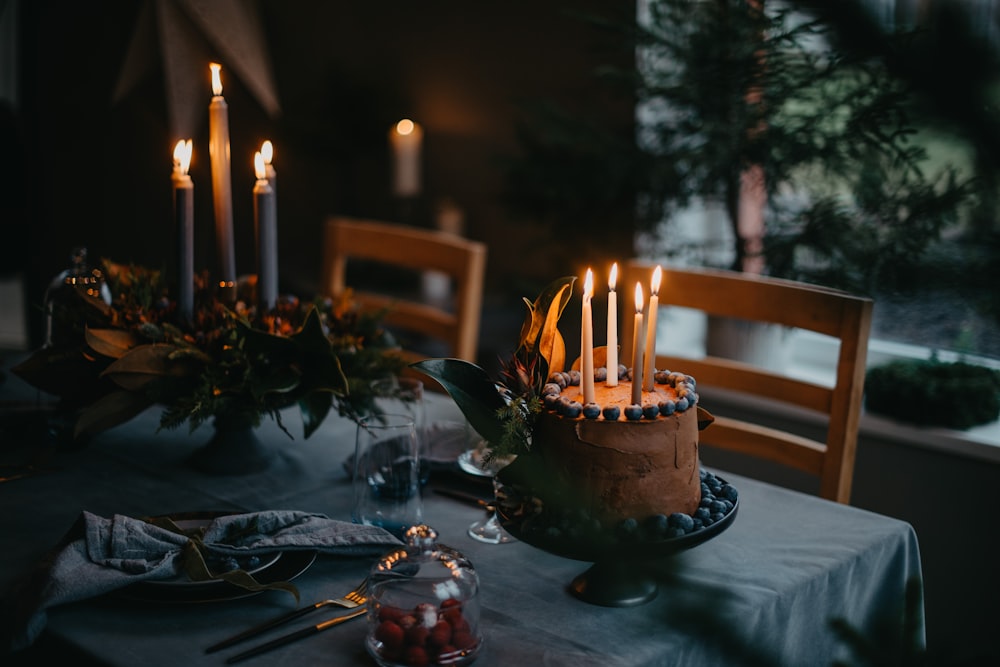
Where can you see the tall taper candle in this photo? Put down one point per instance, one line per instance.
(654, 306)
(267, 152)
(612, 348)
(587, 340)
(222, 189)
(266, 226)
(184, 219)
(406, 138)
(638, 342)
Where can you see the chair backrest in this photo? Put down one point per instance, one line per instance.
(749, 297)
(416, 250)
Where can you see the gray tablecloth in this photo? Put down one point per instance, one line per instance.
(767, 588)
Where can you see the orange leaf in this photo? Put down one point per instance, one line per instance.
(112, 343)
(141, 365)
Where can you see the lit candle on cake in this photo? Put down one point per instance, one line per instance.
(637, 345)
(184, 219)
(406, 138)
(222, 194)
(587, 340)
(654, 306)
(266, 226)
(612, 348)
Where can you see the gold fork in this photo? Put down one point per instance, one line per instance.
(350, 600)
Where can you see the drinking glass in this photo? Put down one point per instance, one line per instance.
(405, 396)
(473, 461)
(385, 479)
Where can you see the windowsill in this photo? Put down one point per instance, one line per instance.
(812, 357)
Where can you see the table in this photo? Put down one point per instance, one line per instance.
(771, 582)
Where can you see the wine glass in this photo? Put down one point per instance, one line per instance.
(473, 461)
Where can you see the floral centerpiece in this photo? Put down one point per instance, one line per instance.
(107, 362)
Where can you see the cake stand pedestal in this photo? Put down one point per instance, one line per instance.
(617, 577)
(613, 583)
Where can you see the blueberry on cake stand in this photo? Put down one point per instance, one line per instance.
(616, 578)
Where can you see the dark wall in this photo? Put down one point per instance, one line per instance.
(98, 172)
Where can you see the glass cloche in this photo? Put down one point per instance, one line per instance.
(423, 605)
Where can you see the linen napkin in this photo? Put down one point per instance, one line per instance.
(100, 555)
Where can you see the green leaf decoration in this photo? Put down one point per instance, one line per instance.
(472, 390)
(314, 406)
(504, 412)
(321, 368)
(110, 410)
(65, 372)
(256, 343)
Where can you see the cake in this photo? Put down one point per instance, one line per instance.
(617, 461)
(594, 475)
(612, 469)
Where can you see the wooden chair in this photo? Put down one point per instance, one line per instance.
(791, 304)
(389, 246)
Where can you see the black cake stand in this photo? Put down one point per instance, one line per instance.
(616, 578)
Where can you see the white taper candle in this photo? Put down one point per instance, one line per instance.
(654, 306)
(638, 342)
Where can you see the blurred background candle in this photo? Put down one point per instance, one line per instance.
(638, 342)
(266, 226)
(406, 138)
(184, 219)
(654, 306)
(612, 347)
(222, 189)
(587, 340)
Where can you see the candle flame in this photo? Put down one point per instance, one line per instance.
(258, 166)
(405, 126)
(267, 151)
(588, 285)
(182, 155)
(654, 284)
(216, 78)
(613, 277)
(638, 297)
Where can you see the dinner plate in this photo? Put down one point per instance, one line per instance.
(272, 568)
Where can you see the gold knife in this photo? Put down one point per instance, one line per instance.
(295, 636)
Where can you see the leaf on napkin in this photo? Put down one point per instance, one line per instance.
(197, 569)
(244, 579)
